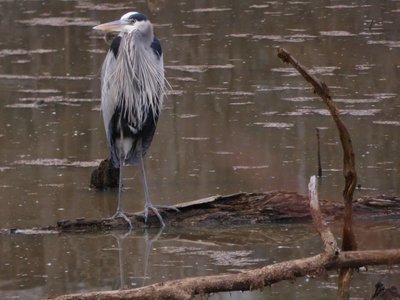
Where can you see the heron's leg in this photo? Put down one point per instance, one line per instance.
(120, 212)
(148, 204)
(120, 185)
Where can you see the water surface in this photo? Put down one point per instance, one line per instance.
(236, 119)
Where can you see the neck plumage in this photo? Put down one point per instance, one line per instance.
(138, 78)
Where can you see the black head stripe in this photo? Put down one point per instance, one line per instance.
(138, 17)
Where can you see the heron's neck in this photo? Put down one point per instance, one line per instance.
(144, 33)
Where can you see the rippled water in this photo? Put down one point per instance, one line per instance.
(236, 119)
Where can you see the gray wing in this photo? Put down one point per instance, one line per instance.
(109, 100)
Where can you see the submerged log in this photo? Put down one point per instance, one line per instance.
(237, 209)
(187, 288)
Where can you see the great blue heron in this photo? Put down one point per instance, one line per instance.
(132, 91)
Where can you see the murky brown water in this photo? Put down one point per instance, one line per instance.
(237, 119)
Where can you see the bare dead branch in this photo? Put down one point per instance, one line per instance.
(349, 170)
(187, 288)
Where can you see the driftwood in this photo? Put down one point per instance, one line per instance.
(236, 209)
(255, 279)
(332, 258)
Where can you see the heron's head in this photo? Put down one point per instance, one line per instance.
(129, 22)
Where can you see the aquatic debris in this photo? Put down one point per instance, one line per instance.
(293, 38)
(105, 6)
(193, 34)
(39, 91)
(281, 88)
(382, 96)
(269, 113)
(190, 138)
(229, 93)
(325, 112)
(179, 250)
(360, 112)
(42, 100)
(355, 101)
(394, 123)
(210, 9)
(220, 257)
(9, 52)
(274, 124)
(175, 92)
(231, 258)
(199, 68)
(223, 152)
(187, 116)
(2, 169)
(235, 168)
(259, 6)
(184, 79)
(239, 35)
(56, 185)
(241, 103)
(45, 77)
(364, 67)
(299, 99)
(34, 231)
(96, 51)
(38, 102)
(341, 6)
(59, 21)
(322, 70)
(390, 44)
(336, 33)
(51, 162)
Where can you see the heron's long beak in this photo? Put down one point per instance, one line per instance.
(115, 26)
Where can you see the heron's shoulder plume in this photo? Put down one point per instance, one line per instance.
(115, 45)
(156, 46)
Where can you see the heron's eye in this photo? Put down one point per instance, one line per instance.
(133, 21)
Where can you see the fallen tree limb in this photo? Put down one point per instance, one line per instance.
(187, 288)
(236, 209)
(255, 279)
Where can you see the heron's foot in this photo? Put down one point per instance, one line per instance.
(155, 208)
(122, 214)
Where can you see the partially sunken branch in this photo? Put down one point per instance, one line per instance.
(255, 279)
(321, 226)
